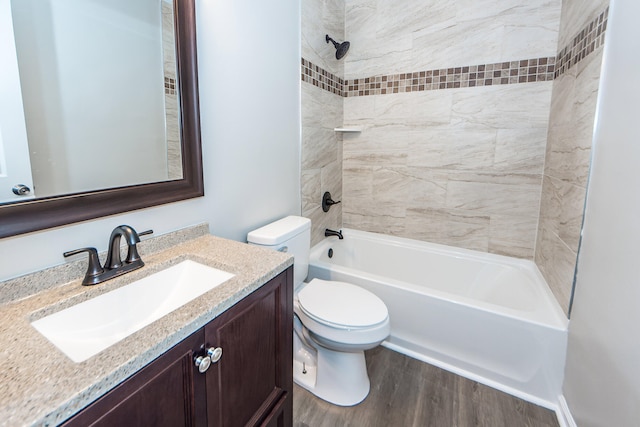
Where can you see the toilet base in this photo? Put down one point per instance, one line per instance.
(337, 377)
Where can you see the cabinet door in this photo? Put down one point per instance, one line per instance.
(253, 381)
(166, 392)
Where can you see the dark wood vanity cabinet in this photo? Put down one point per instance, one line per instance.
(251, 384)
(167, 392)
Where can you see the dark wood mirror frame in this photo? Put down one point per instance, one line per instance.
(39, 214)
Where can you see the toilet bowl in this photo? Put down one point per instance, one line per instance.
(337, 321)
(334, 322)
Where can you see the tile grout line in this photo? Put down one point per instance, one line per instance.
(585, 42)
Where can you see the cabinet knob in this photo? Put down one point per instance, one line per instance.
(212, 355)
(215, 353)
(203, 363)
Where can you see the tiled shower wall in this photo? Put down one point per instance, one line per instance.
(466, 117)
(571, 120)
(455, 155)
(322, 112)
(174, 148)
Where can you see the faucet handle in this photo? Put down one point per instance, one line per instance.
(327, 201)
(94, 269)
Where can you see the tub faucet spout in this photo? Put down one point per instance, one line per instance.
(328, 232)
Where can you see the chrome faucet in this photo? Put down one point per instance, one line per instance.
(113, 266)
(328, 232)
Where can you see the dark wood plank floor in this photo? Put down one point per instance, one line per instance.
(407, 392)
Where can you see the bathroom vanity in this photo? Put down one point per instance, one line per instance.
(251, 387)
(153, 376)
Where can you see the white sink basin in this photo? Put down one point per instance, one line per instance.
(85, 329)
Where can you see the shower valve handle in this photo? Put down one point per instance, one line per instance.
(327, 202)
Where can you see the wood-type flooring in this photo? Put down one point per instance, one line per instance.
(411, 393)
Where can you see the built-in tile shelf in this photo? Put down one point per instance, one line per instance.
(348, 130)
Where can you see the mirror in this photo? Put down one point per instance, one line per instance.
(140, 113)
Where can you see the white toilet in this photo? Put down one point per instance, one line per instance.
(334, 322)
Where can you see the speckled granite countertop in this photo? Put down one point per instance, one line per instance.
(39, 385)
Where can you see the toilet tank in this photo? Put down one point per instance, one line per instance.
(291, 235)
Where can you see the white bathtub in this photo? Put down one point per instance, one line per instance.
(487, 317)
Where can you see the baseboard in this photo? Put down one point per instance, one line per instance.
(565, 419)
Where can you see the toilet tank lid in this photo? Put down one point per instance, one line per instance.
(279, 231)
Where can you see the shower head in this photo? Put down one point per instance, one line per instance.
(341, 48)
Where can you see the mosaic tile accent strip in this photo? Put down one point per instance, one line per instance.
(169, 86)
(586, 41)
(501, 73)
(321, 78)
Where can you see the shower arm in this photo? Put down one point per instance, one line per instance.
(329, 39)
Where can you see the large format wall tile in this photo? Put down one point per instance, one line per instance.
(557, 264)
(311, 189)
(447, 147)
(427, 187)
(410, 109)
(320, 147)
(504, 107)
(561, 207)
(575, 15)
(568, 153)
(388, 37)
(512, 235)
(319, 18)
(322, 111)
(357, 182)
(463, 166)
(568, 150)
(377, 222)
(520, 150)
(469, 160)
(521, 200)
(450, 227)
(571, 123)
(452, 46)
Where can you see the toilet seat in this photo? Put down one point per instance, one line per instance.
(342, 305)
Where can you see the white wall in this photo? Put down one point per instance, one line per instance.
(602, 377)
(249, 56)
(249, 68)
